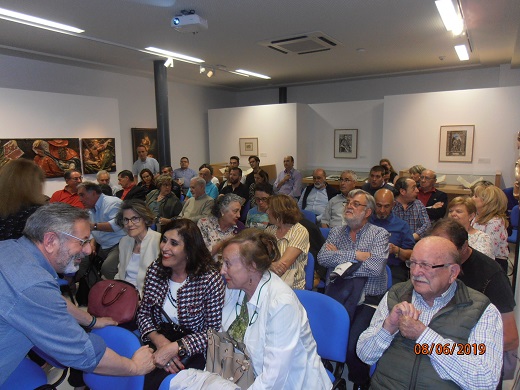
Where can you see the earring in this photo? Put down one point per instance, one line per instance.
(250, 281)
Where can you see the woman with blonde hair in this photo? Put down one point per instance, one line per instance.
(491, 204)
(21, 186)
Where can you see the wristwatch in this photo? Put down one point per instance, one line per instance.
(182, 348)
(95, 226)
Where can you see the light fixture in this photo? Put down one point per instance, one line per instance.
(175, 56)
(462, 52)
(210, 73)
(34, 21)
(249, 73)
(202, 69)
(169, 63)
(451, 18)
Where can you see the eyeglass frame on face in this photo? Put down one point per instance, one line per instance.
(426, 178)
(135, 220)
(265, 200)
(355, 204)
(426, 266)
(79, 178)
(83, 242)
(347, 180)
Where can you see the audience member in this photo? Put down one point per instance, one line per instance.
(260, 177)
(277, 335)
(225, 179)
(257, 216)
(316, 196)
(143, 162)
(234, 162)
(147, 181)
(235, 186)
(222, 223)
(214, 179)
(409, 209)
(433, 199)
(70, 193)
(21, 186)
(415, 174)
(359, 242)
(103, 211)
(184, 174)
(33, 312)
(167, 170)
(401, 238)
(335, 210)
(289, 181)
(184, 287)
(292, 240)
(210, 188)
(376, 180)
(129, 188)
(385, 163)
(463, 210)
(103, 177)
(418, 322)
(163, 203)
(254, 163)
(200, 204)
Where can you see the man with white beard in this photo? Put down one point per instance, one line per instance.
(316, 196)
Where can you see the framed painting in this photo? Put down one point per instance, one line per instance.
(98, 154)
(248, 146)
(345, 143)
(456, 143)
(146, 137)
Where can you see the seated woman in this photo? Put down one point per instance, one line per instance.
(385, 163)
(463, 210)
(260, 177)
(183, 285)
(140, 247)
(163, 202)
(257, 216)
(415, 173)
(491, 203)
(265, 314)
(222, 223)
(147, 181)
(292, 238)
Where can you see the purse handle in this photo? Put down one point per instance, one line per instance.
(111, 286)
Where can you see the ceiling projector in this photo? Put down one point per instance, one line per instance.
(192, 23)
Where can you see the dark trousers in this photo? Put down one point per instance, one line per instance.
(358, 371)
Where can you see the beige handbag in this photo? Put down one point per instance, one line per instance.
(228, 358)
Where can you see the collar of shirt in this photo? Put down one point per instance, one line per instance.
(256, 300)
(438, 302)
(427, 192)
(38, 255)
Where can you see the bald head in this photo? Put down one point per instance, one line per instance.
(384, 203)
(427, 179)
(205, 173)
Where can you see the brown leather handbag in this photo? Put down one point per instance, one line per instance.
(113, 298)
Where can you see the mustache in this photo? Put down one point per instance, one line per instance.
(420, 279)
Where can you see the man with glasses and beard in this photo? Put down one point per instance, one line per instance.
(432, 331)
(359, 242)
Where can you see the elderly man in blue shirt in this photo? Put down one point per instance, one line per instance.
(32, 311)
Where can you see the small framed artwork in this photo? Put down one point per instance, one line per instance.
(345, 143)
(248, 146)
(146, 137)
(456, 143)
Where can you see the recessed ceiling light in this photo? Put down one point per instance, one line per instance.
(34, 21)
(249, 73)
(175, 56)
(361, 50)
(462, 52)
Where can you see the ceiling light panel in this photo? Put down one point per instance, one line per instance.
(34, 21)
(249, 73)
(175, 56)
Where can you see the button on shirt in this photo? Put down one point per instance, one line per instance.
(106, 210)
(316, 201)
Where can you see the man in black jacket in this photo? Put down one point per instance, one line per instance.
(434, 200)
(316, 196)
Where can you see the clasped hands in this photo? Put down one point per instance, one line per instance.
(167, 357)
(405, 318)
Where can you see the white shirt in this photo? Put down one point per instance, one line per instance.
(317, 201)
(279, 341)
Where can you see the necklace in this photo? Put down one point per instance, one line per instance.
(254, 317)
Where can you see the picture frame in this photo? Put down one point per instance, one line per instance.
(456, 143)
(146, 137)
(248, 146)
(98, 154)
(345, 143)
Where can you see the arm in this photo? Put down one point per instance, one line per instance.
(113, 364)
(144, 313)
(102, 227)
(400, 253)
(510, 332)
(438, 210)
(378, 246)
(345, 250)
(424, 222)
(85, 319)
(297, 186)
(288, 258)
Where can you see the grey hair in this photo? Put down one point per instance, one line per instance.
(351, 173)
(371, 203)
(222, 203)
(102, 172)
(200, 181)
(53, 217)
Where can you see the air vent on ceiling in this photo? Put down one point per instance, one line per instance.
(306, 43)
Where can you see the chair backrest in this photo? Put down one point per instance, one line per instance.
(325, 232)
(165, 384)
(125, 343)
(309, 272)
(389, 277)
(514, 217)
(330, 324)
(28, 375)
(309, 215)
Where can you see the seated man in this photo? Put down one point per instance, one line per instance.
(359, 241)
(289, 181)
(401, 238)
(316, 196)
(254, 163)
(211, 189)
(235, 186)
(199, 205)
(167, 170)
(214, 179)
(419, 323)
(103, 177)
(257, 216)
(32, 310)
(333, 214)
(130, 189)
(409, 209)
(70, 193)
(184, 174)
(433, 199)
(376, 180)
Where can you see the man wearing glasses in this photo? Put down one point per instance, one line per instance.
(32, 311)
(434, 200)
(433, 331)
(257, 216)
(70, 193)
(333, 214)
(316, 196)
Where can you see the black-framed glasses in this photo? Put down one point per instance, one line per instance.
(425, 266)
(354, 204)
(261, 199)
(134, 220)
(82, 242)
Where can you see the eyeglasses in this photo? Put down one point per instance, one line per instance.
(425, 266)
(354, 204)
(425, 178)
(261, 199)
(82, 242)
(79, 178)
(345, 180)
(134, 220)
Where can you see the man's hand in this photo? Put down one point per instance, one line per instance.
(362, 256)
(410, 327)
(330, 247)
(143, 359)
(404, 308)
(438, 205)
(101, 322)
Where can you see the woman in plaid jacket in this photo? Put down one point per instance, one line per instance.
(185, 284)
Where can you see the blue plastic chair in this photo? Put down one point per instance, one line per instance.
(125, 343)
(514, 224)
(309, 272)
(165, 384)
(28, 375)
(389, 277)
(325, 232)
(309, 215)
(332, 341)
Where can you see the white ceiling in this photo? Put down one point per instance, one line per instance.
(398, 36)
